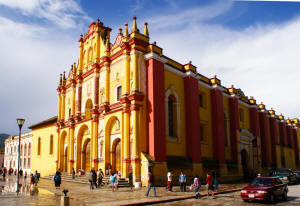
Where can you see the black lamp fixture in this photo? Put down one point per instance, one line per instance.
(20, 124)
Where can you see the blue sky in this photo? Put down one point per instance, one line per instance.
(251, 44)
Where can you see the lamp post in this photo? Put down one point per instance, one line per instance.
(20, 123)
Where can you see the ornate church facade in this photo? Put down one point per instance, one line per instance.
(125, 106)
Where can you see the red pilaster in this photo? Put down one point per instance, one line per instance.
(218, 130)
(296, 144)
(283, 134)
(274, 139)
(234, 126)
(96, 89)
(79, 98)
(192, 119)
(254, 121)
(156, 109)
(264, 139)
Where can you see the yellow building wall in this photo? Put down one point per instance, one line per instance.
(278, 156)
(45, 162)
(205, 118)
(176, 147)
(289, 155)
(246, 123)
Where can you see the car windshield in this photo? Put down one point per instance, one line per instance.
(261, 182)
(281, 174)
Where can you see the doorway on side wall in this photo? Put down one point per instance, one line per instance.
(244, 161)
(87, 155)
(66, 160)
(117, 158)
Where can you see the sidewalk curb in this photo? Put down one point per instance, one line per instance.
(152, 202)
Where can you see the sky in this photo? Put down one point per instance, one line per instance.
(253, 45)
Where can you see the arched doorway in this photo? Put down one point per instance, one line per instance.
(244, 160)
(117, 155)
(86, 161)
(66, 159)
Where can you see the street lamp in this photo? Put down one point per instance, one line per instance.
(20, 123)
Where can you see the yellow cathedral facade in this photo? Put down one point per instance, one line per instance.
(125, 106)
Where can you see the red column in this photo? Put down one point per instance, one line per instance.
(234, 126)
(192, 119)
(264, 139)
(156, 110)
(296, 144)
(254, 122)
(218, 130)
(79, 98)
(273, 133)
(283, 135)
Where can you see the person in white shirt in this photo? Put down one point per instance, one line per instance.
(169, 181)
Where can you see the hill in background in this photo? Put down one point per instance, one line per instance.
(3, 137)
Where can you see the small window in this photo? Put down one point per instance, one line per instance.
(119, 93)
(70, 113)
(241, 115)
(39, 147)
(51, 145)
(201, 100)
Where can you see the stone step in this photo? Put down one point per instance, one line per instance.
(123, 182)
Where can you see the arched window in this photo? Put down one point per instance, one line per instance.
(119, 92)
(39, 147)
(70, 113)
(51, 145)
(88, 107)
(226, 127)
(172, 116)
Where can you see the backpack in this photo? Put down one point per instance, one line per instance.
(57, 178)
(112, 178)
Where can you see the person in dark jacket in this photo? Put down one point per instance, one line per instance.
(151, 184)
(130, 180)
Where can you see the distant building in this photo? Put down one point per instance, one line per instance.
(1, 157)
(11, 152)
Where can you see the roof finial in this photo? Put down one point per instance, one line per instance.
(98, 21)
(134, 26)
(60, 79)
(146, 32)
(120, 31)
(64, 75)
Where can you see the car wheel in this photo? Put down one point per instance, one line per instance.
(272, 198)
(284, 197)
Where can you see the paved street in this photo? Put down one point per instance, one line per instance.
(80, 195)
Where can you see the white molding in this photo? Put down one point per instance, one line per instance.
(155, 56)
(204, 85)
(243, 103)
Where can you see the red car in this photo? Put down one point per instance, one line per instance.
(265, 188)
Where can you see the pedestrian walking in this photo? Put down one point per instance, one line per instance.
(112, 179)
(182, 182)
(169, 181)
(94, 178)
(209, 185)
(151, 184)
(31, 180)
(117, 178)
(91, 180)
(130, 180)
(100, 177)
(73, 173)
(57, 179)
(216, 181)
(36, 178)
(197, 185)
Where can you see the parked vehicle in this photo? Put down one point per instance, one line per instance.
(285, 175)
(297, 175)
(265, 188)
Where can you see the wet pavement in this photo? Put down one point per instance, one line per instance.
(80, 195)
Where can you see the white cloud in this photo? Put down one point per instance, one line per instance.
(262, 60)
(62, 13)
(31, 59)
